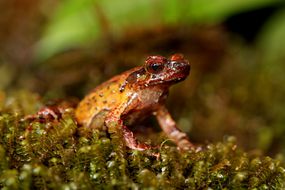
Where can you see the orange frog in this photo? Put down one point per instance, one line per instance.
(136, 94)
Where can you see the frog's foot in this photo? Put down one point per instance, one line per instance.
(185, 145)
(181, 140)
(48, 113)
(132, 142)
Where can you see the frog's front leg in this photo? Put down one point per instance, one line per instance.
(113, 119)
(128, 135)
(168, 125)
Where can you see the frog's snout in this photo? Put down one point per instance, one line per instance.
(186, 67)
(181, 66)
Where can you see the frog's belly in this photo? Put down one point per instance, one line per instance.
(135, 116)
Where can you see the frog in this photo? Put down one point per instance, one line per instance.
(135, 95)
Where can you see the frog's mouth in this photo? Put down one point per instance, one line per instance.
(168, 81)
(178, 79)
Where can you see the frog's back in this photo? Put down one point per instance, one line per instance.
(104, 97)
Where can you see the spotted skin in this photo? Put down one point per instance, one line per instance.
(135, 95)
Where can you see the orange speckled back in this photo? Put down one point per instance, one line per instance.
(106, 96)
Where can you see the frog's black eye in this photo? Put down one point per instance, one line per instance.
(155, 67)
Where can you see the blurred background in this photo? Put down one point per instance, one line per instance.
(62, 49)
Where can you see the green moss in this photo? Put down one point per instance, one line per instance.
(60, 155)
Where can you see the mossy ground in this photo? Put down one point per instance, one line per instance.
(236, 87)
(58, 154)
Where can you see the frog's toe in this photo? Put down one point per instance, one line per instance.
(185, 145)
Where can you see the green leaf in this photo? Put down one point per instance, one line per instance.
(79, 23)
(272, 39)
(72, 24)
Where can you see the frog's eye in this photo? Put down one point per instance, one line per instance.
(155, 67)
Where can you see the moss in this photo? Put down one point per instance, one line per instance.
(57, 154)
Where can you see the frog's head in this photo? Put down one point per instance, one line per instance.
(166, 71)
(159, 70)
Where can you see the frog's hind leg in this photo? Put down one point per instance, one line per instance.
(98, 120)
